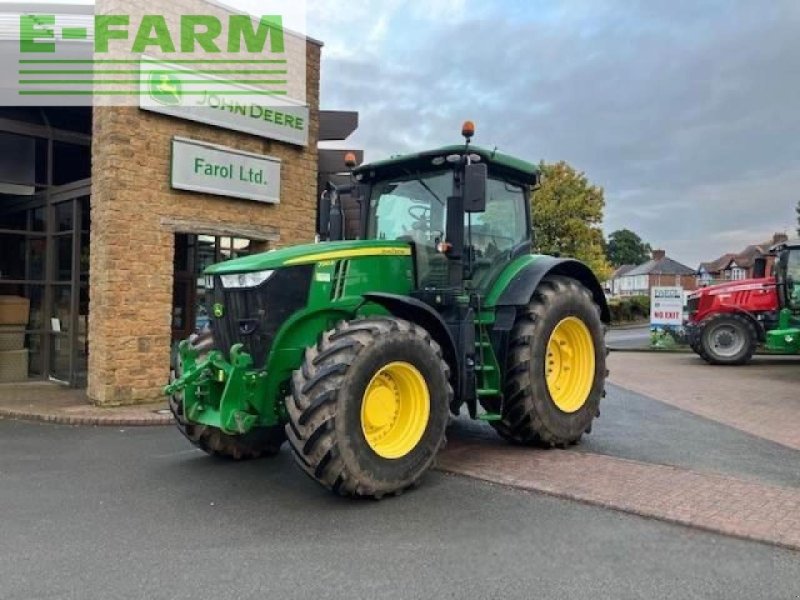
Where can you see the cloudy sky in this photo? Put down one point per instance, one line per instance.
(686, 112)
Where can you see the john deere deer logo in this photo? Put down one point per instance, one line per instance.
(165, 89)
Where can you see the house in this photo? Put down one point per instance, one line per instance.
(660, 270)
(611, 286)
(736, 267)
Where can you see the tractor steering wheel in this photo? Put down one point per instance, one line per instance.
(420, 212)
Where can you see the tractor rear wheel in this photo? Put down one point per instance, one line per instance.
(258, 443)
(557, 367)
(727, 339)
(369, 407)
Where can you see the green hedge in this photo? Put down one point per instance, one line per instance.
(626, 310)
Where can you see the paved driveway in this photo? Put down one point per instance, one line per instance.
(108, 513)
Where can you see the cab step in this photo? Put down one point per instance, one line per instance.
(484, 392)
(490, 417)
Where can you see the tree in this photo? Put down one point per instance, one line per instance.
(567, 212)
(626, 248)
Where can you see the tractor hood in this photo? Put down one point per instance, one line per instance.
(729, 287)
(308, 254)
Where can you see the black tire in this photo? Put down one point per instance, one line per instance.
(727, 339)
(530, 416)
(324, 409)
(258, 443)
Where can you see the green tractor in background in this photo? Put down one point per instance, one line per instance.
(356, 352)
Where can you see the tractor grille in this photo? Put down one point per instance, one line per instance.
(252, 316)
(692, 305)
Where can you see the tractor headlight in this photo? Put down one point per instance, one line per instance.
(245, 280)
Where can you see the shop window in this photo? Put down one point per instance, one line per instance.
(44, 245)
(16, 220)
(71, 162)
(17, 169)
(64, 216)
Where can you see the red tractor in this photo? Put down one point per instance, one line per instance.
(727, 322)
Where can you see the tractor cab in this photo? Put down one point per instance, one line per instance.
(785, 337)
(464, 210)
(787, 274)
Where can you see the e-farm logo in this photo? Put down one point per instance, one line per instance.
(206, 51)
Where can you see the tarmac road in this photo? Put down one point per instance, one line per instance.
(628, 338)
(136, 513)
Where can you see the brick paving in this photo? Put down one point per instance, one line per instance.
(53, 403)
(762, 398)
(706, 501)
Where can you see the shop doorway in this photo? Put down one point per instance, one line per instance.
(193, 253)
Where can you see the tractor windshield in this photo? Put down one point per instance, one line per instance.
(412, 208)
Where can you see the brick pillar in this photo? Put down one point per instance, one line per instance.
(135, 215)
(130, 266)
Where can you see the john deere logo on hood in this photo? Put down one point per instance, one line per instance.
(165, 89)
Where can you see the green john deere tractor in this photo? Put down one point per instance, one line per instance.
(355, 352)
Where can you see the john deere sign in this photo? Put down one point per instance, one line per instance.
(212, 169)
(228, 106)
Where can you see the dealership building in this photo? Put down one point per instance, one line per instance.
(109, 214)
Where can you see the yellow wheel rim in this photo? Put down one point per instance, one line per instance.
(569, 365)
(395, 410)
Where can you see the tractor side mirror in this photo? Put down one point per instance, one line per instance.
(475, 178)
(324, 214)
(760, 268)
(331, 218)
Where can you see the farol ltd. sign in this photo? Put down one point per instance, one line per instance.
(222, 171)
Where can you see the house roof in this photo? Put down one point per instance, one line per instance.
(745, 259)
(622, 270)
(720, 264)
(662, 266)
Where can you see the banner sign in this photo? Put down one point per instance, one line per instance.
(666, 317)
(111, 53)
(222, 171)
(666, 306)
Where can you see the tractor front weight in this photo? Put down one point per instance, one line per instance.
(221, 393)
(786, 337)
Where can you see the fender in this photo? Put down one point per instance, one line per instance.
(526, 277)
(418, 312)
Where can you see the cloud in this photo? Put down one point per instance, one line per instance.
(685, 112)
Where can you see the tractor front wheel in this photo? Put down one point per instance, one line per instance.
(556, 367)
(727, 339)
(369, 407)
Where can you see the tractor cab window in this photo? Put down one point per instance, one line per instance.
(793, 278)
(412, 209)
(502, 227)
(497, 232)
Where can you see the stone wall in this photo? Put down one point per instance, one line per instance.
(135, 216)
